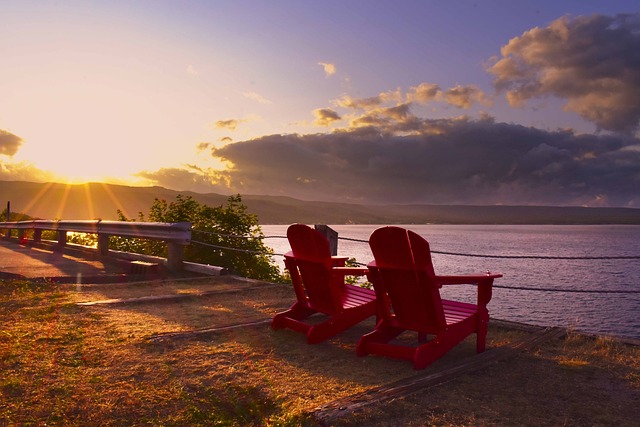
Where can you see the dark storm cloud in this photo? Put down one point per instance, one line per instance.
(9, 143)
(448, 161)
(592, 62)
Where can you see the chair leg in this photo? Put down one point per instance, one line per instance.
(428, 353)
(481, 339)
(335, 325)
(483, 328)
(381, 334)
(293, 318)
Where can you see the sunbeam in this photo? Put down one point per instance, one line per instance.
(36, 199)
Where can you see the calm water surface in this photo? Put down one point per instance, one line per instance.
(601, 312)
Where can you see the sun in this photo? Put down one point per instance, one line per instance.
(78, 163)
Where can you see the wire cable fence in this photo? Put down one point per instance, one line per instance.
(521, 288)
(514, 256)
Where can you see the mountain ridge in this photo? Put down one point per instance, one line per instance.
(102, 201)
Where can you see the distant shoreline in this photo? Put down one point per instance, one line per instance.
(102, 201)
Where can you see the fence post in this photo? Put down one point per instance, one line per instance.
(62, 238)
(8, 232)
(175, 256)
(103, 244)
(331, 235)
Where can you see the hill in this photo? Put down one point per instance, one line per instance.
(97, 200)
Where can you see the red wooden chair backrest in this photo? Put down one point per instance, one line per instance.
(309, 264)
(404, 280)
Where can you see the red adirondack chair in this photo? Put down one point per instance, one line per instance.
(319, 285)
(408, 298)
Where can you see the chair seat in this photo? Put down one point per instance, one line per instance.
(354, 296)
(456, 311)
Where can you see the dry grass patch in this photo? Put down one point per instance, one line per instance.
(63, 364)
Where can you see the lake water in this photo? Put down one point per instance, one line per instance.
(596, 312)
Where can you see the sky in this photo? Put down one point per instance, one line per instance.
(441, 102)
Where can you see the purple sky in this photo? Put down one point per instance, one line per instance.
(495, 102)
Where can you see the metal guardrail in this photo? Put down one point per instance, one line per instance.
(177, 235)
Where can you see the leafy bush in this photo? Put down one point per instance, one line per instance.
(226, 236)
(14, 216)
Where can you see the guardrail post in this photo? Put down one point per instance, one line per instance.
(175, 256)
(331, 235)
(103, 244)
(8, 232)
(62, 238)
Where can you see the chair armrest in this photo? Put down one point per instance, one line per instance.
(467, 279)
(484, 282)
(338, 261)
(350, 271)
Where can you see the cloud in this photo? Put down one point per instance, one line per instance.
(459, 160)
(591, 61)
(389, 120)
(329, 69)
(24, 171)
(257, 97)
(464, 96)
(424, 93)
(9, 143)
(230, 124)
(192, 70)
(189, 178)
(203, 146)
(325, 116)
(371, 102)
(459, 96)
(358, 104)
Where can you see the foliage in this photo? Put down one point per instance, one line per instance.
(84, 239)
(356, 280)
(226, 236)
(14, 216)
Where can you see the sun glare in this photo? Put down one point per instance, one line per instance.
(94, 156)
(82, 167)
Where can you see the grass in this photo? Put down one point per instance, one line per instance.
(63, 364)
